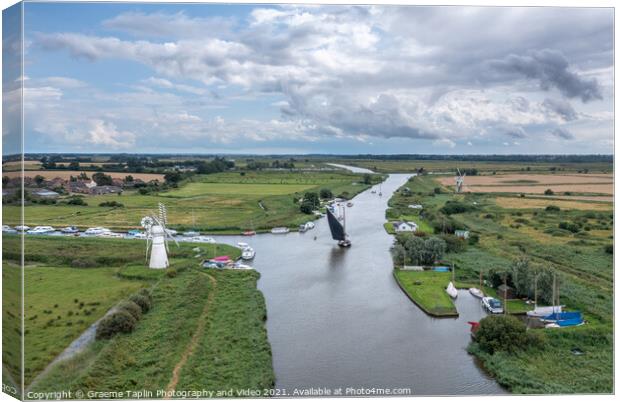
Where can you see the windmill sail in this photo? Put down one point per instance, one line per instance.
(336, 227)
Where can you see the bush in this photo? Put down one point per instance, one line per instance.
(549, 192)
(501, 333)
(609, 249)
(552, 208)
(326, 193)
(113, 204)
(570, 226)
(143, 301)
(171, 272)
(145, 292)
(132, 308)
(76, 200)
(117, 322)
(454, 244)
(454, 207)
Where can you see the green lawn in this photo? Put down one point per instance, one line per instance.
(199, 189)
(428, 290)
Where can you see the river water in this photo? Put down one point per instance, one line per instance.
(337, 318)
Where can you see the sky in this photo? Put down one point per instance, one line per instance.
(199, 78)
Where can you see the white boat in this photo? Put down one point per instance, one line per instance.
(191, 233)
(451, 290)
(140, 236)
(476, 293)
(110, 234)
(303, 228)
(70, 230)
(239, 265)
(280, 230)
(95, 231)
(22, 228)
(171, 232)
(543, 311)
(309, 225)
(8, 229)
(248, 253)
(41, 230)
(243, 245)
(492, 305)
(203, 239)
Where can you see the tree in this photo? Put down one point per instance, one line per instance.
(549, 192)
(128, 179)
(367, 179)
(5, 180)
(102, 179)
(326, 193)
(501, 333)
(39, 179)
(74, 165)
(399, 254)
(522, 277)
(434, 249)
(173, 178)
(415, 249)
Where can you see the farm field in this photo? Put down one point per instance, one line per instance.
(537, 189)
(411, 166)
(71, 282)
(222, 203)
(66, 174)
(571, 237)
(531, 179)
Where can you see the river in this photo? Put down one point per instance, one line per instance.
(337, 318)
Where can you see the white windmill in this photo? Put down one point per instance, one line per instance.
(157, 238)
(460, 179)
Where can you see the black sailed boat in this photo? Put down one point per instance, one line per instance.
(338, 230)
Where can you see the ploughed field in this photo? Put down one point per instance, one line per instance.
(66, 174)
(572, 237)
(72, 282)
(223, 202)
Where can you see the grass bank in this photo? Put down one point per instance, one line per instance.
(427, 289)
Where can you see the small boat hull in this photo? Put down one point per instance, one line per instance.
(344, 243)
(476, 293)
(451, 291)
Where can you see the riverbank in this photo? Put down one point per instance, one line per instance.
(69, 288)
(498, 237)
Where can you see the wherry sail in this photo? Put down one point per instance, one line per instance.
(338, 229)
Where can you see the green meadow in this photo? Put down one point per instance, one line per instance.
(428, 290)
(225, 202)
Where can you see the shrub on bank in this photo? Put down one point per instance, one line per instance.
(143, 301)
(132, 308)
(117, 322)
(506, 333)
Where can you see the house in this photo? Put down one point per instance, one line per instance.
(45, 193)
(404, 226)
(92, 184)
(463, 234)
(100, 190)
(78, 186)
(415, 206)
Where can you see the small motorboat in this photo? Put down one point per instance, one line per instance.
(280, 230)
(140, 236)
(565, 319)
(191, 233)
(248, 253)
(476, 293)
(22, 228)
(242, 245)
(70, 230)
(203, 239)
(303, 228)
(96, 231)
(239, 265)
(110, 235)
(249, 233)
(309, 225)
(492, 305)
(8, 229)
(38, 230)
(451, 290)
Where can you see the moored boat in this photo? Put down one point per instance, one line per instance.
(476, 292)
(70, 230)
(248, 253)
(249, 233)
(543, 311)
(95, 231)
(22, 228)
(191, 233)
(280, 230)
(492, 305)
(41, 230)
(451, 290)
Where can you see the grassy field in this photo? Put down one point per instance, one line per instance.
(427, 289)
(508, 231)
(71, 282)
(222, 203)
(231, 350)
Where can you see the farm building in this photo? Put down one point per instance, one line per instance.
(463, 234)
(505, 292)
(404, 226)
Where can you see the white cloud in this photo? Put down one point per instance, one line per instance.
(106, 134)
